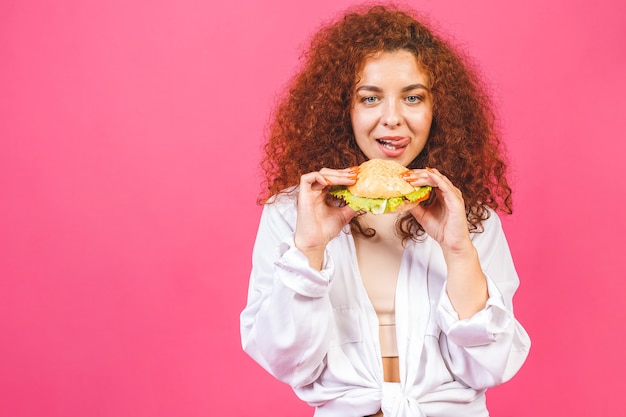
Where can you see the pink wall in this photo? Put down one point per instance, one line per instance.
(130, 136)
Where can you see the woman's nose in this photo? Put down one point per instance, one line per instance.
(391, 117)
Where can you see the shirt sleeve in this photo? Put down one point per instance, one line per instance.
(286, 323)
(488, 348)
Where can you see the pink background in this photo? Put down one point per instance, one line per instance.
(130, 135)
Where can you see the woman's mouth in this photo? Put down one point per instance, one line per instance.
(391, 146)
(386, 144)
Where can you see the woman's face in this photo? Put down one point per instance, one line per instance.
(392, 109)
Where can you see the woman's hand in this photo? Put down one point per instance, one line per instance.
(318, 221)
(445, 221)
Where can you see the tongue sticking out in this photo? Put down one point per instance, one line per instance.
(393, 147)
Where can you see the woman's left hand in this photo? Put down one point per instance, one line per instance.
(445, 219)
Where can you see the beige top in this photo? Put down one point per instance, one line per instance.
(383, 301)
(379, 264)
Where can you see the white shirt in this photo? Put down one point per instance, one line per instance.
(318, 331)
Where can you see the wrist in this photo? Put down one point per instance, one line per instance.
(315, 254)
(460, 253)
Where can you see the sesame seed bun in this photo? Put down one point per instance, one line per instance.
(380, 178)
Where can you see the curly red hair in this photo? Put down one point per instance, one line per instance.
(311, 126)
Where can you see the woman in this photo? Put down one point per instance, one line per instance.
(401, 314)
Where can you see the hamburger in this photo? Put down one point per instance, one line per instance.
(380, 188)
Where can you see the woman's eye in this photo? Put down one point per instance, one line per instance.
(369, 100)
(414, 99)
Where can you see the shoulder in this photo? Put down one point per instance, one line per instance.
(285, 199)
(491, 227)
(282, 205)
(493, 221)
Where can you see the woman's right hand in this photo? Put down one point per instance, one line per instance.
(318, 222)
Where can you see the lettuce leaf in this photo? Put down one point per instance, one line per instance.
(378, 205)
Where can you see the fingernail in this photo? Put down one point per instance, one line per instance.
(326, 179)
(429, 170)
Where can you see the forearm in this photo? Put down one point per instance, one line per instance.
(466, 284)
(487, 348)
(490, 346)
(291, 334)
(285, 323)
